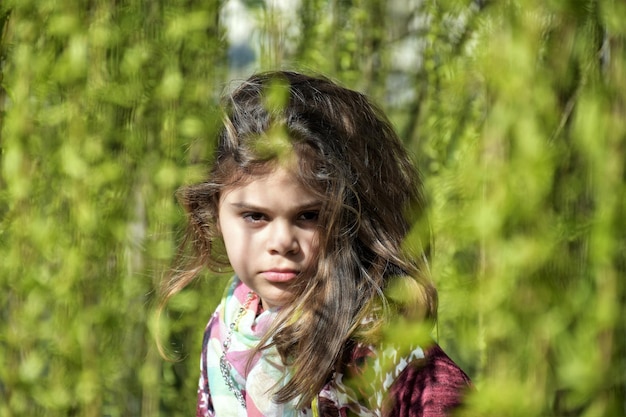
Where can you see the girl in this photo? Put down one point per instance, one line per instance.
(309, 199)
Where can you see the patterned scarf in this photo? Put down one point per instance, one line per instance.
(235, 381)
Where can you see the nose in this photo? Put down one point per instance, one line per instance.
(282, 239)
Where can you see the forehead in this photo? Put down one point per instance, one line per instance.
(278, 183)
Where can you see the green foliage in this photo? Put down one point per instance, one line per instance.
(524, 137)
(514, 110)
(106, 110)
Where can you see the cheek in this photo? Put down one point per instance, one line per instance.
(233, 240)
(312, 245)
(231, 237)
(238, 252)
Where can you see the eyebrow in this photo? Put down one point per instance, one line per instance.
(309, 205)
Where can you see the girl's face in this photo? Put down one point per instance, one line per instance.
(269, 226)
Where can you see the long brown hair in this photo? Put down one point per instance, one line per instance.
(348, 153)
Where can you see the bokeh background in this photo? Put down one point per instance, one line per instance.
(515, 112)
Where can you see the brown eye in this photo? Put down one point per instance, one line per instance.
(253, 217)
(309, 216)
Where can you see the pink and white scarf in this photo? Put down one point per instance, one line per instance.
(266, 373)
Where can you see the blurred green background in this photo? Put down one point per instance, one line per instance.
(516, 114)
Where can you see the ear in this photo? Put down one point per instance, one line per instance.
(217, 222)
(216, 216)
(218, 228)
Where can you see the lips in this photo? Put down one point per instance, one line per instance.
(280, 275)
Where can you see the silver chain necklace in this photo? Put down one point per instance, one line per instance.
(225, 366)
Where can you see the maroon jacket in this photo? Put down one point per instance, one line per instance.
(429, 387)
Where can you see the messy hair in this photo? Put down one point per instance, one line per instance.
(347, 153)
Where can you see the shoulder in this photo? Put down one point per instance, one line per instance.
(429, 387)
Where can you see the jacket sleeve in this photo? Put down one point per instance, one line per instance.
(428, 387)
